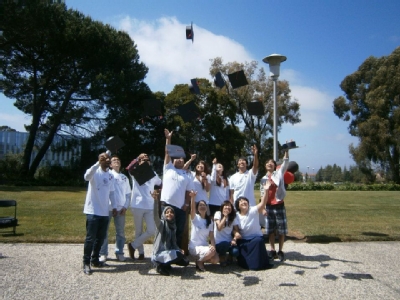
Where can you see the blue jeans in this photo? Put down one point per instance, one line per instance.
(180, 221)
(119, 223)
(96, 231)
(224, 247)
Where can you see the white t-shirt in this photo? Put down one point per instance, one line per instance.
(218, 194)
(121, 189)
(242, 185)
(224, 235)
(199, 232)
(101, 183)
(141, 194)
(249, 224)
(175, 184)
(197, 186)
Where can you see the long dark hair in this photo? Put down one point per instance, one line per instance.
(232, 214)
(218, 180)
(206, 170)
(207, 217)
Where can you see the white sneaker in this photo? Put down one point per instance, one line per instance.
(103, 258)
(120, 257)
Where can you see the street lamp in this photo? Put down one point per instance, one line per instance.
(274, 61)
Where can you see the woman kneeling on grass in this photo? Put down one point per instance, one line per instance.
(252, 252)
(165, 248)
(201, 232)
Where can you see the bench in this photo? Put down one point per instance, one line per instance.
(8, 221)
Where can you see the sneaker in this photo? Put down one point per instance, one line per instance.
(131, 251)
(281, 256)
(120, 257)
(103, 258)
(141, 256)
(98, 264)
(273, 254)
(87, 269)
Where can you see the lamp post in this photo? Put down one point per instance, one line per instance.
(274, 61)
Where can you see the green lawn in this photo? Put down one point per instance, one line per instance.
(54, 215)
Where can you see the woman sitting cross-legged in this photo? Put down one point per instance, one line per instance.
(202, 243)
(226, 226)
(165, 248)
(252, 252)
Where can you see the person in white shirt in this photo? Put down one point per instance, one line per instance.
(142, 209)
(100, 192)
(176, 186)
(252, 252)
(219, 191)
(226, 231)
(122, 197)
(241, 184)
(201, 179)
(202, 242)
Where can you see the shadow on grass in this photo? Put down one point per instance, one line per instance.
(374, 234)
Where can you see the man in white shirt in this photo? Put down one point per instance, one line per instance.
(100, 192)
(241, 184)
(142, 206)
(122, 197)
(177, 185)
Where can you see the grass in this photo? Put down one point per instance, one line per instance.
(54, 215)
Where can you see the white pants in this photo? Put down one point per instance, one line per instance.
(139, 215)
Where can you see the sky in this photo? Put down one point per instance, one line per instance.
(324, 41)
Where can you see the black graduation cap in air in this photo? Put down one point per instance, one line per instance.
(152, 107)
(189, 112)
(194, 88)
(238, 79)
(142, 173)
(175, 151)
(255, 108)
(289, 145)
(114, 143)
(219, 80)
(190, 32)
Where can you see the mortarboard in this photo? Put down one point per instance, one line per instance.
(219, 80)
(238, 79)
(190, 32)
(189, 111)
(152, 107)
(289, 145)
(142, 173)
(194, 88)
(114, 143)
(175, 151)
(255, 108)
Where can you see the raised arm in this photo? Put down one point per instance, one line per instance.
(192, 195)
(168, 136)
(264, 199)
(187, 164)
(254, 150)
(156, 214)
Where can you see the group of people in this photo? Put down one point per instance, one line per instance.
(226, 221)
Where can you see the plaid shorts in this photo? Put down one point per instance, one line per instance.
(276, 219)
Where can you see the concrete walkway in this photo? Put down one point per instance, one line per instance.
(311, 271)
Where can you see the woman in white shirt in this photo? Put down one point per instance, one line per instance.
(226, 231)
(201, 178)
(219, 191)
(252, 252)
(202, 243)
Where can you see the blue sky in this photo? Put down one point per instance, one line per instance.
(324, 41)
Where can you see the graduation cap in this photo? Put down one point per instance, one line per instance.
(176, 151)
(194, 88)
(238, 79)
(290, 145)
(114, 143)
(190, 32)
(152, 107)
(255, 108)
(219, 80)
(189, 111)
(142, 173)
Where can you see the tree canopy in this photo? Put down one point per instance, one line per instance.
(66, 71)
(371, 105)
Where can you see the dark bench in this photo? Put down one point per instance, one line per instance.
(11, 221)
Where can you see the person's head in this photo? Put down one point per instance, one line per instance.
(242, 205)
(168, 214)
(104, 160)
(242, 163)
(228, 209)
(219, 168)
(179, 163)
(201, 167)
(270, 165)
(143, 158)
(201, 207)
(115, 163)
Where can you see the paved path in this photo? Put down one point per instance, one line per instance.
(311, 271)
